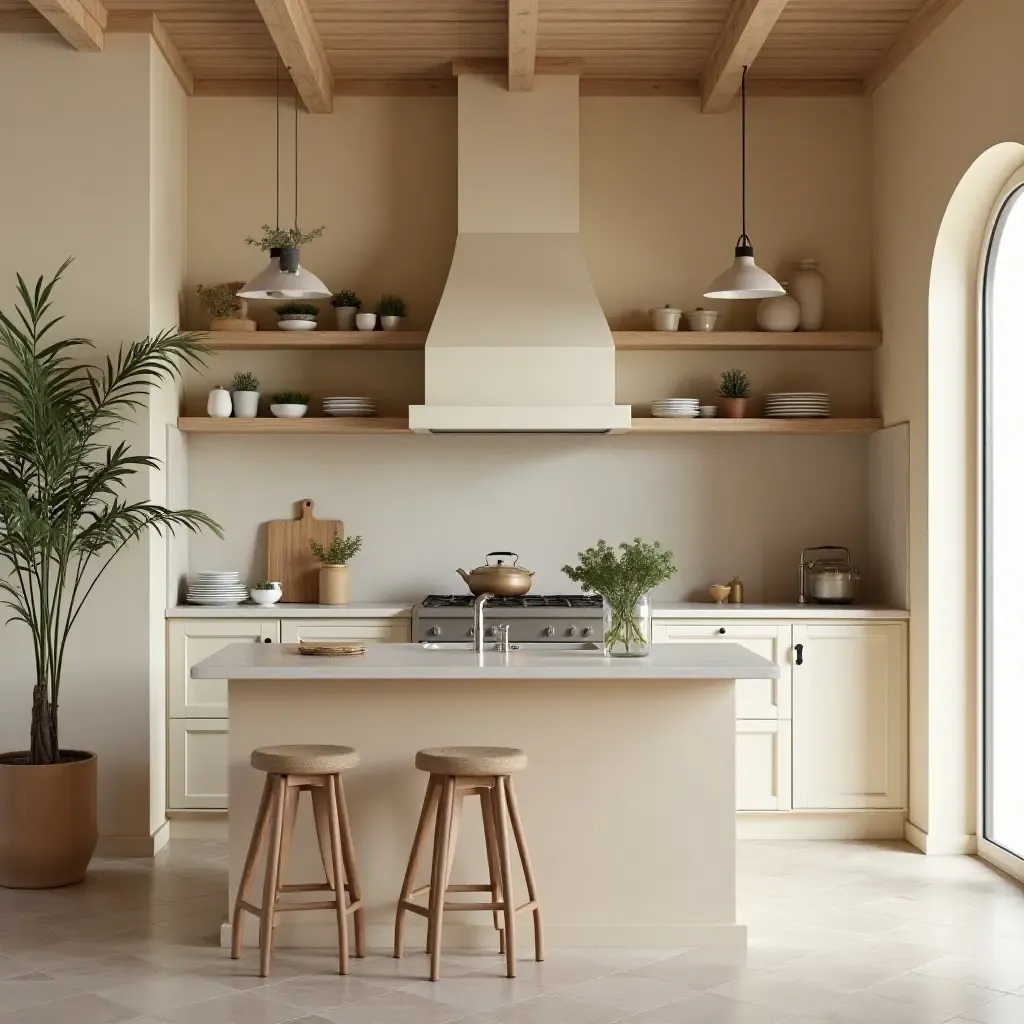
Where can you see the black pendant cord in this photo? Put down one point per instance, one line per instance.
(296, 164)
(277, 145)
(744, 238)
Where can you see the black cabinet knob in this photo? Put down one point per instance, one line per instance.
(267, 640)
(721, 629)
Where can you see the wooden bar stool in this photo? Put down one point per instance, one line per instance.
(455, 773)
(292, 770)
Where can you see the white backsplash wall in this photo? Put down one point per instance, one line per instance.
(424, 506)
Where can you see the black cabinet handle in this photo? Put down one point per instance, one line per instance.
(799, 648)
(721, 629)
(267, 640)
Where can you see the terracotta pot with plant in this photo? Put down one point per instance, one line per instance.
(334, 566)
(64, 516)
(734, 391)
(227, 312)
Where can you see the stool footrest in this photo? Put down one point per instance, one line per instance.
(308, 887)
(417, 908)
(281, 908)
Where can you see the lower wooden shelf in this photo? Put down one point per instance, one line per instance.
(646, 425)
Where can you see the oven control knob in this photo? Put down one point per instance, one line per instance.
(491, 631)
(549, 630)
(588, 630)
(571, 631)
(434, 631)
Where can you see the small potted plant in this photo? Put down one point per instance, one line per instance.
(227, 312)
(334, 566)
(624, 577)
(734, 392)
(283, 244)
(245, 395)
(266, 593)
(346, 304)
(390, 309)
(289, 405)
(297, 316)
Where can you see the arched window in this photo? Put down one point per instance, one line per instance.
(1002, 407)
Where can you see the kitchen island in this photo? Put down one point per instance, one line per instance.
(628, 801)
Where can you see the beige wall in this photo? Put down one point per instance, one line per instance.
(77, 181)
(953, 100)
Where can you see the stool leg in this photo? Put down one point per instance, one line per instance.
(271, 882)
(442, 831)
(348, 853)
(291, 810)
(322, 821)
(524, 856)
(258, 831)
(339, 881)
(500, 817)
(430, 799)
(493, 871)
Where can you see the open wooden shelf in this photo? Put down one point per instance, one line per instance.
(626, 341)
(646, 425)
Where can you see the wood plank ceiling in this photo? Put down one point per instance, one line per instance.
(620, 47)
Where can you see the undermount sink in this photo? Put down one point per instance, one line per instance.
(582, 647)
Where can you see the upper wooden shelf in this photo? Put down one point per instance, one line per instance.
(637, 341)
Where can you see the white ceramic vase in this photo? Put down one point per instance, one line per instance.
(808, 288)
(218, 405)
(779, 314)
(366, 321)
(246, 404)
(390, 323)
(346, 317)
(665, 318)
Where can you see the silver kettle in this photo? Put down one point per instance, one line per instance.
(827, 580)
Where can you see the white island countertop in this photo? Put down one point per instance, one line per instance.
(243, 661)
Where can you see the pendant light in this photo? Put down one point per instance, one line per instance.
(744, 279)
(284, 277)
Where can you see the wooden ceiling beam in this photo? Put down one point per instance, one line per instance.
(302, 51)
(922, 25)
(140, 21)
(522, 43)
(740, 41)
(80, 22)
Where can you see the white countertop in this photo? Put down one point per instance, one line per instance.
(410, 661)
(661, 610)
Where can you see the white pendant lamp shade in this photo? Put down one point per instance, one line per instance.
(744, 280)
(274, 283)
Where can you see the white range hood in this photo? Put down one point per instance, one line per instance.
(519, 342)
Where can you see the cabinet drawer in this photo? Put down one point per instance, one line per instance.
(381, 631)
(764, 765)
(189, 642)
(755, 698)
(198, 764)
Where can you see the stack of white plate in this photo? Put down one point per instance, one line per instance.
(797, 405)
(343, 406)
(217, 588)
(684, 407)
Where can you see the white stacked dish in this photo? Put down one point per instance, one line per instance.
(345, 406)
(797, 405)
(676, 407)
(217, 588)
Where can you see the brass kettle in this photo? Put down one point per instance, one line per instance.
(500, 579)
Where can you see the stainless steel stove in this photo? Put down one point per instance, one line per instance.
(568, 620)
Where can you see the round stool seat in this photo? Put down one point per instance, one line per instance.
(471, 760)
(304, 759)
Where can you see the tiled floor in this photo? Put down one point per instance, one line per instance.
(848, 933)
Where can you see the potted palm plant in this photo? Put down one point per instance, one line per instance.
(63, 518)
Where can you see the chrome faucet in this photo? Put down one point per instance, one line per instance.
(478, 621)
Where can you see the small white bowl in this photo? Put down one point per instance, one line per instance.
(701, 319)
(366, 321)
(707, 411)
(296, 325)
(266, 597)
(289, 412)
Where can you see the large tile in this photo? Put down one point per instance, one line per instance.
(31, 989)
(240, 1008)
(708, 1008)
(952, 997)
(555, 1008)
(475, 994)
(108, 972)
(691, 974)
(393, 1008)
(150, 996)
(80, 1009)
(998, 971)
(626, 993)
(793, 995)
(838, 971)
(1007, 1009)
(862, 1008)
(318, 992)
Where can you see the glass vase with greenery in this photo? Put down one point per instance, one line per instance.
(624, 577)
(64, 515)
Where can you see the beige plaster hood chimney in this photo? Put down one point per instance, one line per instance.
(519, 342)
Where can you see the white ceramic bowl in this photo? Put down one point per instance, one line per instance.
(266, 597)
(296, 325)
(707, 411)
(701, 319)
(289, 412)
(366, 321)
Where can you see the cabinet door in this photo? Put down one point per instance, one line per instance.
(755, 698)
(849, 720)
(764, 768)
(191, 640)
(198, 764)
(381, 631)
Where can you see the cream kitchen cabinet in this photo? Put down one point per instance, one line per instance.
(849, 716)
(764, 780)
(383, 631)
(197, 771)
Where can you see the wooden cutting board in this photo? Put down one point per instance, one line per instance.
(289, 559)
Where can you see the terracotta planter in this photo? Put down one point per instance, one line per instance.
(734, 408)
(47, 820)
(334, 584)
(231, 323)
